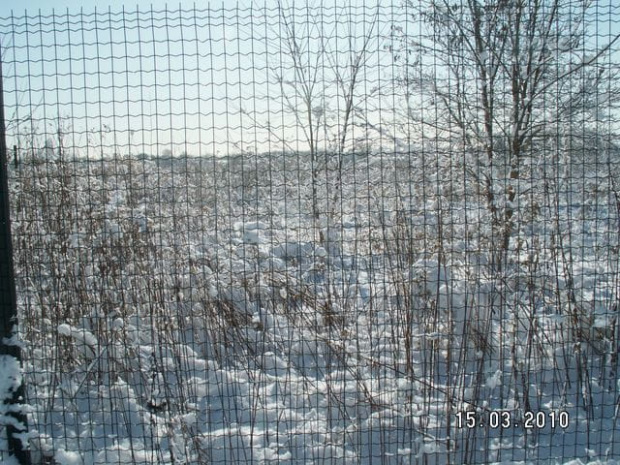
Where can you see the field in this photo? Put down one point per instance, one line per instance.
(260, 309)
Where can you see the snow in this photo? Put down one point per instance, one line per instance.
(85, 341)
(63, 457)
(10, 380)
(187, 336)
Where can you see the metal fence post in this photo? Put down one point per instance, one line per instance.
(17, 422)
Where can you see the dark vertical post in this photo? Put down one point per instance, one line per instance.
(10, 356)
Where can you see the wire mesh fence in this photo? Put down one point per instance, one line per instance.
(318, 233)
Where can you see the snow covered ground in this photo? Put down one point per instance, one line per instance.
(198, 311)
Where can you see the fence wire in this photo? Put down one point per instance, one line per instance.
(318, 233)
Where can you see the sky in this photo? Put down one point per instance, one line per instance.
(137, 80)
(46, 6)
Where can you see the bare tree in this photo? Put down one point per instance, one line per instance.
(498, 79)
(314, 77)
(303, 92)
